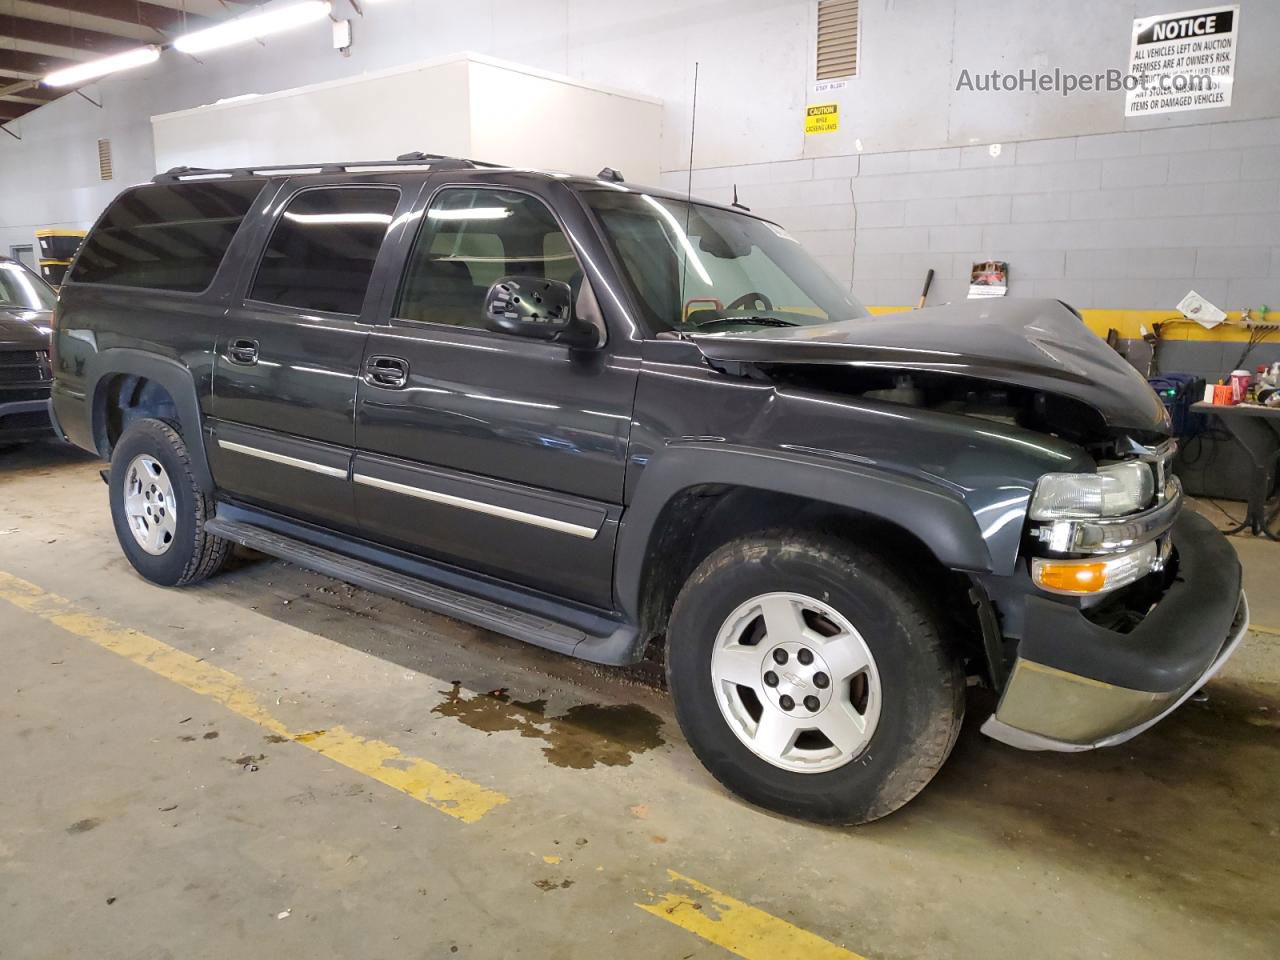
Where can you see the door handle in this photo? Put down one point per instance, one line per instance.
(390, 372)
(243, 351)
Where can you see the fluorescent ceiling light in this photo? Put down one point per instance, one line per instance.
(253, 26)
(81, 72)
(471, 213)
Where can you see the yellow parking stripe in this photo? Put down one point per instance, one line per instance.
(737, 926)
(420, 779)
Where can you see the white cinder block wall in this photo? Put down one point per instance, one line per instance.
(1084, 204)
(1127, 220)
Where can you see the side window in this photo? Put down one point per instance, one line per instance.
(321, 252)
(166, 236)
(469, 239)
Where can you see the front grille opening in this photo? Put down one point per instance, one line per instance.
(1122, 611)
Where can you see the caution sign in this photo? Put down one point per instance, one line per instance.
(823, 118)
(1182, 61)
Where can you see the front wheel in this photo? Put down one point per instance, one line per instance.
(811, 679)
(158, 510)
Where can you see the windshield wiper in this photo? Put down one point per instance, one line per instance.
(758, 321)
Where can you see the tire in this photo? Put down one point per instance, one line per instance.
(174, 548)
(893, 721)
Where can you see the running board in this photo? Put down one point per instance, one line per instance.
(477, 611)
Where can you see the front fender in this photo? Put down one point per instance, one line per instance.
(935, 515)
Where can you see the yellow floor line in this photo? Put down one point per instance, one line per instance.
(1269, 631)
(420, 779)
(738, 927)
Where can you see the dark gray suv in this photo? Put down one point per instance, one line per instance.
(618, 423)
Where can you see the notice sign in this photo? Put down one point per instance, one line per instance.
(1182, 61)
(824, 118)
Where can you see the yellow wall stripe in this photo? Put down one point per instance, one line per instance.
(737, 926)
(1129, 323)
(420, 779)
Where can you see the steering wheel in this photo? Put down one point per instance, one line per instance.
(754, 297)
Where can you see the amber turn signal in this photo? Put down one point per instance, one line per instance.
(1071, 577)
(1085, 577)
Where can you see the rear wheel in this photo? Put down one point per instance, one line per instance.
(158, 510)
(811, 679)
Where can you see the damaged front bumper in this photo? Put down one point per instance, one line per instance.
(1078, 686)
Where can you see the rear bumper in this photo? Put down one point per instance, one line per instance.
(1077, 686)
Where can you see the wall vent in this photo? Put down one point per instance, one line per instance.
(104, 159)
(837, 38)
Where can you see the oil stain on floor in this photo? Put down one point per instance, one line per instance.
(580, 738)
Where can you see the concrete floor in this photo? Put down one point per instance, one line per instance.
(155, 801)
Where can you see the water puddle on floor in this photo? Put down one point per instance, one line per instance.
(580, 738)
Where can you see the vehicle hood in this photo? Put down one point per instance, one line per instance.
(20, 328)
(1038, 344)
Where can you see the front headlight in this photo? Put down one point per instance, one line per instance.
(1115, 490)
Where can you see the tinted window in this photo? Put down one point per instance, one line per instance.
(166, 236)
(470, 238)
(321, 252)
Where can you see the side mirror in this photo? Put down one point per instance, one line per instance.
(539, 309)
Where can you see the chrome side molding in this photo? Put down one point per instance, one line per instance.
(479, 506)
(282, 458)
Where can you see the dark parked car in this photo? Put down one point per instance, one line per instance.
(617, 423)
(26, 305)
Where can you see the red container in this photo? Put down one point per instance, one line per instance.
(1239, 385)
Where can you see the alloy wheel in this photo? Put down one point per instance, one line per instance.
(149, 504)
(796, 682)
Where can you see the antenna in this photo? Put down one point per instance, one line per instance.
(688, 205)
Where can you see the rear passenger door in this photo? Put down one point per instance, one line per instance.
(287, 357)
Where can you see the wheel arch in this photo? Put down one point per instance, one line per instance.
(695, 498)
(129, 384)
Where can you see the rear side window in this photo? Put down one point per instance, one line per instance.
(166, 236)
(321, 253)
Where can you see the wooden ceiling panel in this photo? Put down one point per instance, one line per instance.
(61, 35)
(22, 64)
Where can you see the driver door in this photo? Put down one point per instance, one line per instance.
(493, 452)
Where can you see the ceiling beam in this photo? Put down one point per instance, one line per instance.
(35, 10)
(28, 91)
(60, 35)
(11, 111)
(19, 63)
(164, 19)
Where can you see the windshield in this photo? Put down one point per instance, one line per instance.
(700, 268)
(19, 287)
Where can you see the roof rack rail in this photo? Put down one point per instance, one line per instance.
(406, 161)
